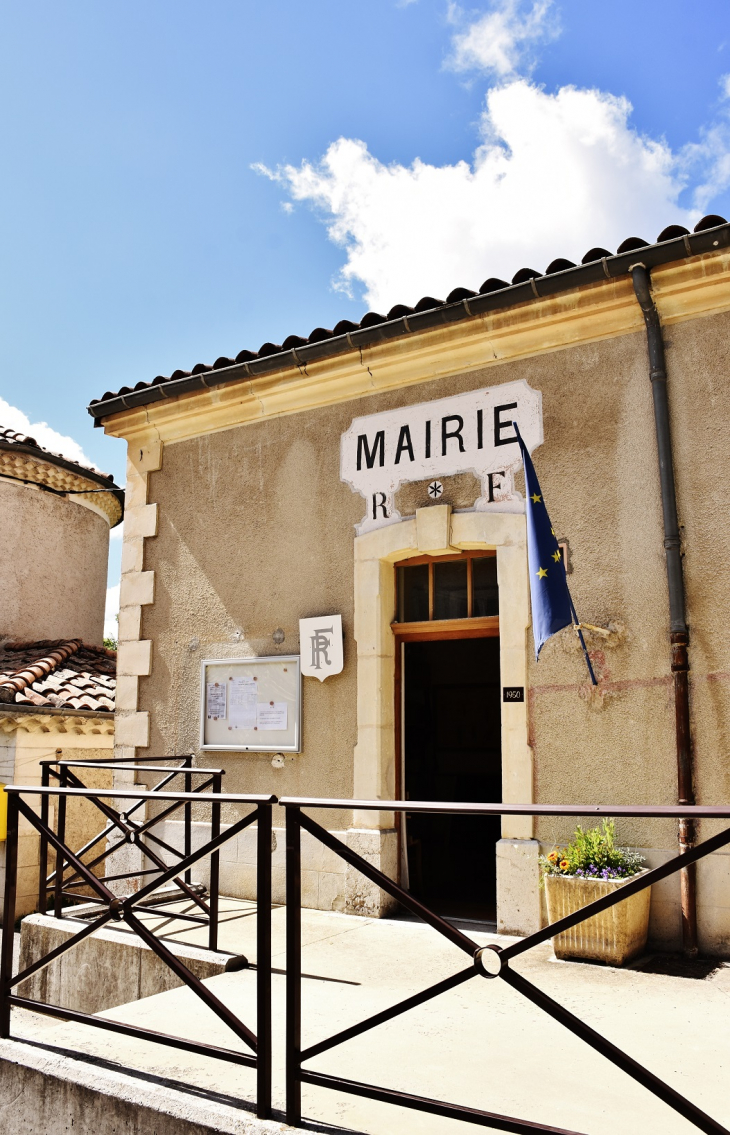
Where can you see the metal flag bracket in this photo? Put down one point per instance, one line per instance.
(590, 627)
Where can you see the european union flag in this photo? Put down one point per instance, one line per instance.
(552, 607)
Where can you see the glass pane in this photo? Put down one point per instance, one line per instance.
(484, 582)
(413, 593)
(449, 590)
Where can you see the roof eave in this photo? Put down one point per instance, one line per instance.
(10, 709)
(541, 287)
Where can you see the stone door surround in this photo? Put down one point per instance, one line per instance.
(436, 531)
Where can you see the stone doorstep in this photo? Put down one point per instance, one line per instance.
(121, 967)
(46, 1092)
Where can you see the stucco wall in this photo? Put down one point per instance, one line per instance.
(53, 565)
(255, 530)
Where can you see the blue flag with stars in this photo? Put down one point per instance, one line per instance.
(552, 608)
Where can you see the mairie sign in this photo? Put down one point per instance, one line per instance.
(465, 433)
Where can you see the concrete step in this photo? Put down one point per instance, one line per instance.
(48, 1092)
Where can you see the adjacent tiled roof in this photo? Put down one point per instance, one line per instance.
(12, 439)
(673, 243)
(23, 459)
(58, 674)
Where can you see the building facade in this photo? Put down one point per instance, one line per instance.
(371, 472)
(56, 678)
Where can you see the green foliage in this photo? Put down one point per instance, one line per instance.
(110, 643)
(592, 854)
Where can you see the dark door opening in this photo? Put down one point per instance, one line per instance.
(452, 751)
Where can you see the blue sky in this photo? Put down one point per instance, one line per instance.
(185, 180)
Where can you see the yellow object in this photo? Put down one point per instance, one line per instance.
(3, 813)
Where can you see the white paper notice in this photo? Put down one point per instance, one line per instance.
(271, 715)
(242, 708)
(216, 700)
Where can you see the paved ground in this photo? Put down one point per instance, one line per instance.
(481, 1044)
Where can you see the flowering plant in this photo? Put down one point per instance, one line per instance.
(592, 854)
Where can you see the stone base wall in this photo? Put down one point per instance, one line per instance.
(327, 881)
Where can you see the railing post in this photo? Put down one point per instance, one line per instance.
(43, 849)
(215, 830)
(188, 820)
(263, 962)
(61, 833)
(293, 967)
(11, 878)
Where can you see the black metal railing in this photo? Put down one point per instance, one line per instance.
(113, 907)
(491, 961)
(132, 832)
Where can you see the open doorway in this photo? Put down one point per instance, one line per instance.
(451, 732)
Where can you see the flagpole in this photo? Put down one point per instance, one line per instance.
(576, 624)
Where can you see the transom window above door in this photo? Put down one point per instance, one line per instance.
(441, 588)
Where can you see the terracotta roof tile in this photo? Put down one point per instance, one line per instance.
(12, 437)
(57, 674)
(317, 343)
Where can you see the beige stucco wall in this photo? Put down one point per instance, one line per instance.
(53, 565)
(598, 470)
(255, 530)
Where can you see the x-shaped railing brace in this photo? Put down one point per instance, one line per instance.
(131, 832)
(482, 957)
(122, 909)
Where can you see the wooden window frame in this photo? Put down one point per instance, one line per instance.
(486, 626)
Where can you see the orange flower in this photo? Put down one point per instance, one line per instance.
(564, 865)
(552, 857)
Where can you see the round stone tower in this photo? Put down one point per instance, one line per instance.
(55, 517)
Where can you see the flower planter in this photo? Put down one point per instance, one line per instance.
(614, 936)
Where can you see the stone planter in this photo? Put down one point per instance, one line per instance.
(614, 936)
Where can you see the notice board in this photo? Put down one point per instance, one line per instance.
(251, 704)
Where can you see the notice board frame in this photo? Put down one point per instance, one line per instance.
(294, 705)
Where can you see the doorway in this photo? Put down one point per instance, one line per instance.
(451, 741)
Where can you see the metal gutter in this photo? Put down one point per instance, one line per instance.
(541, 287)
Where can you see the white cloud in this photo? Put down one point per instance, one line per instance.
(117, 533)
(12, 418)
(555, 175)
(111, 627)
(712, 153)
(500, 41)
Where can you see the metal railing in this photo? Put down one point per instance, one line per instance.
(491, 961)
(132, 832)
(120, 908)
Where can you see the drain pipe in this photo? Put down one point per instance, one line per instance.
(679, 633)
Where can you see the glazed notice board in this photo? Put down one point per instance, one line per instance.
(251, 704)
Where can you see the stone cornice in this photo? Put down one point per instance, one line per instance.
(35, 719)
(25, 468)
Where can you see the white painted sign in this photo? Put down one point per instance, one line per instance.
(320, 644)
(465, 433)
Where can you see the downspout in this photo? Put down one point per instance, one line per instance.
(678, 630)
